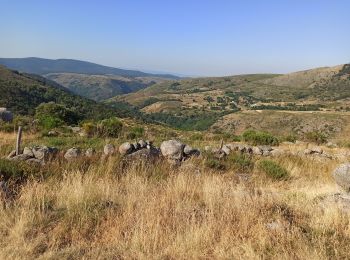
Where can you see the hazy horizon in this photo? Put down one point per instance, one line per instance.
(192, 38)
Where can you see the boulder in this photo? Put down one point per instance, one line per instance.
(341, 176)
(257, 150)
(126, 148)
(172, 150)
(146, 155)
(44, 152)
(189, 151)
(28, 151)
(109, 149)
(5, 115)
(90, 152)
(72, 154)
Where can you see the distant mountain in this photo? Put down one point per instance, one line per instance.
(45, 66)
(21, 93)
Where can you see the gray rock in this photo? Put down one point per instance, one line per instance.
(142, 144)
(266, 148)
(76, 129)
(341, 176)
(28, 151)
(126, 148)
(90, 152)
(21, 157)
(257, 150)
(109, 149)
(232, 146)
(137, 146)
(72, 154)
(5, 115)
(248, 149)
(241, 148)
(172, 150)
(44, 152)
(189, 151)
(226, 149)
(146, 155)
(52, 133)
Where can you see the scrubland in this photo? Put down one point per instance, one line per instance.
(106, 209)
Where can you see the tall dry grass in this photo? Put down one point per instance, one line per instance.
(157, 212)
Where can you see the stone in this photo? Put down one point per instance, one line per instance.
(207, 148)
(341, 176)
(126, 148)
(266, 148)
(276, 152)
(146, 155)
(307, 151)
(189, 151)
(28, 151)
(142, 144)
(72, 154)
(248, 149)
(136, 145)
(226, 149)
(44, 152)
(90, 152)
(257, 150)
(20, 157)
(241, 148)
(52, 133)
(172, 149)
(316, 149)
(76, 129)
(232, 146)
(109, 149)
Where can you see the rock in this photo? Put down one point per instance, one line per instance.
(52, 133)
(142, 144)
(76, 129)
(136, 145)
(109, 149)
(90, 152)
(232, 146)
(172, 150)
(307, 151)
(44, 152)
(35, 161)
(207, 148)
(316, 149)
(341, 176)
(72, 153)
(189, 151)
(257, 150)
(149, 144)
(266, 148)
(5, 115)
(20, 157)
(11, 154)
(266, 153)
(331, 145)
(241, 148)
(126, 148)
(146, 155)
(226, 149)
(276, 152)
(28, 151)
(248, 149)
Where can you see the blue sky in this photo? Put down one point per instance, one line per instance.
(190, 37)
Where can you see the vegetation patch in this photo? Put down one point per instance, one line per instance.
(273, 170)
(259, 138)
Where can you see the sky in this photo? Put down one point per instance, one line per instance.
(187, 37)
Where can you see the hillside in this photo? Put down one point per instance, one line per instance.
(44, 66)
(101, 87)
(22, 93)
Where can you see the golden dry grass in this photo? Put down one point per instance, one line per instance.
(157, 212)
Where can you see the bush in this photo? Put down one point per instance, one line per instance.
(111, 127)
(316, 137)
(242, 162)
(136, 132)
(51, 115)
(89, 128)
(273, 170)
(259, 138)
(16, 170)
(291, 138)
(213, 163)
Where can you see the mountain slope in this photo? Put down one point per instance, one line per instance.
(44, 66)
(101, 87)
(22, 93)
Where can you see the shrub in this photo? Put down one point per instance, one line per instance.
(16, 170)
(213, 163)
(89, 128)
(316, 137)
(273, 170)
(291, 138)
(136, 132)
(259, 138)
(111, 127)
(242, 162)
(52, 115)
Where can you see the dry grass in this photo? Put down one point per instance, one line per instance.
(102, 212)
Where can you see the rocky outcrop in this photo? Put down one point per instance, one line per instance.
(36, 154)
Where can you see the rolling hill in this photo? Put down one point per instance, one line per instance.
(22, 93)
